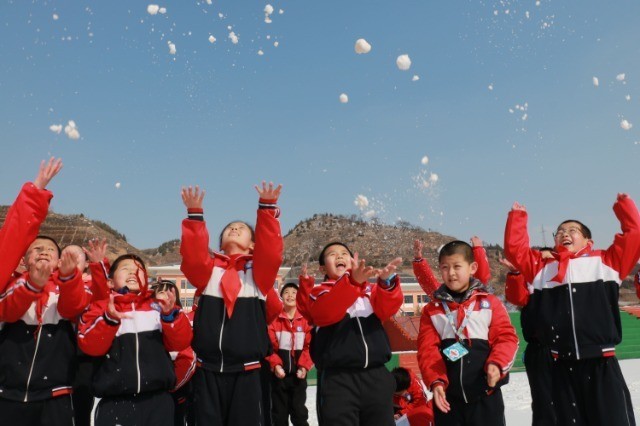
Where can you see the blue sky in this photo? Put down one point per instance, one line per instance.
(224, 117)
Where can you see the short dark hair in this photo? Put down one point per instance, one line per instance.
(46, 237)
(324, 249)
(457, 247)
(130, 256)
(253, 233)
(584, 230)
(164, 285)
(288, 285)
(403, 379)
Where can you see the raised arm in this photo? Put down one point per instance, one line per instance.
(74, 296)
(483, 274)
(269, 246)
(99, 268)
(386, 296)
(623, 254)
(306, 283)
(98, 327)
(421, 269)
(197, 264)
(516, 244)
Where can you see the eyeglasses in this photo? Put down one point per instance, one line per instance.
(569, 231)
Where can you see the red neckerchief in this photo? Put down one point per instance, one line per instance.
(230, 284)
(563, 255)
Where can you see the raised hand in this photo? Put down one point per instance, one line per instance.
(69, 263)
(621, 196)
(440, 398)
(97, 250)
(47, 171)
(390, 269)
(360, 272)
(518, 207)
(304, 270)
(113, 313)
(39, 274)
(476, 241)
(268, 192)
(192, 197)
(279, 372)
(493, 375)
(508, 264)
(417, 249)
(166, 300)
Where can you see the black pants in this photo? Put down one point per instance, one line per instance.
(353, 397)
(591, 392)
(82, 396)
(486, 411)
(227, 399)
(538, 363)
(289, 396)
(145, 409)
(183, 403)
(50, 412)
(265, 382)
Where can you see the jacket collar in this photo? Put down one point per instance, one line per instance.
(475, 287)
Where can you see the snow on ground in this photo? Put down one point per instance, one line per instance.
(517, 399)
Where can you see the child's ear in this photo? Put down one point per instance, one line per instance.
(252, 245)
(110, 283)
(474, 267)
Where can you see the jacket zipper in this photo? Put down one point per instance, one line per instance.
(133, 308)
(33, 362)
(573, 320)
(366, 348)
(220, 341)
(293, 344)
(464, 395)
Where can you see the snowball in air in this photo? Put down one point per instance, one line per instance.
(56, 128)
(403, 62)
(361, 201)
(490, 87)
(433, 178)
(362, 46)
(117, 185)
(425, 160)
(162, 10)
(55, 16)
(209, 2)
(152, 9)
(628, 97)
(260, 52)
(275, 44)
(233, 37)
(625, 125)
(415, 78)
(71, 130)
(172, 48)
(620, 77)
(212, 39)
(268, 9)
(596, 82)
(344, 98)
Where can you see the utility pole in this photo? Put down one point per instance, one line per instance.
(544, 236)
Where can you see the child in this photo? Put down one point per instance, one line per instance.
(133, 333)
(428, 281)
(23, 220)
(410, 398)
(466, 344)
(37, 341)
(350, 346)
(577, 296)
(537, 358)
(230, 329)
(290, 336)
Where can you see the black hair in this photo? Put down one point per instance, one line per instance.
(288, 285)
(165, 285)
(457, 247)
(46, 237)
(253, 233)
(402, 377)
(130, 256)
(584, 230)
(335, 243)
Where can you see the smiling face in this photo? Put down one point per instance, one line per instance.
(570, 236)
(337, 260)
(456, 272)
(237, 238)
(125, 275)
(42, 250)
(289, 297)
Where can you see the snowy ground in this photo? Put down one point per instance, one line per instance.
(516, 395)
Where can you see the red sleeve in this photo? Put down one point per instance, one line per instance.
(273, 304)
(623, 254)
(21, 227)
(417, 394)
(96, 331)
(483, 274)
(197, 264)
(99, 280)
(430, 360)
(74, 297)
(267, 252)
(274, 359)
(305, 285)
(516, 246)
(17, 298)
(386, 301)
(305, 357)
(184, 366)
(515, 290)
(177, 334)
(425, 276)
(328, 304)
(503, 339)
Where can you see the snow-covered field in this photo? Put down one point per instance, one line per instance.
(517, 398)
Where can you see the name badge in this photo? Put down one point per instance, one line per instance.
(455, 352)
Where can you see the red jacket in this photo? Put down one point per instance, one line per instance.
(412, 398)
(430, 283)
(490, 339)
(21, 227)
(134, 350)
(516, 289)
(290, 340)
(576, 294)
(305, 286)
(273, 305)
(184, 362)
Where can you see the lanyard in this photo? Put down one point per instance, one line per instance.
(452, 319)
